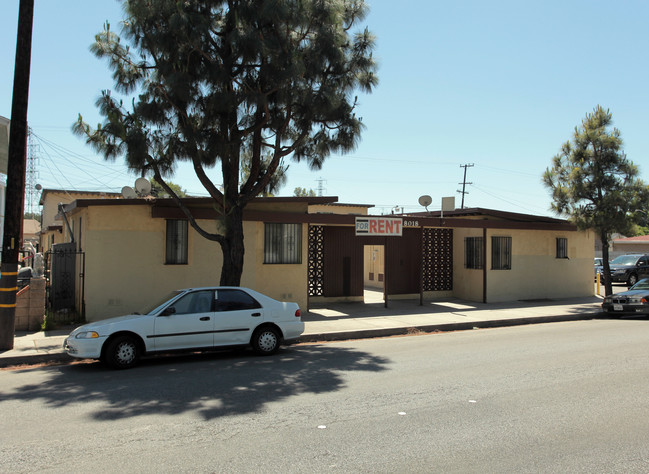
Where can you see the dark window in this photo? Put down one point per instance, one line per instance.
(195, 302)
(176, 253)
(473, 255)
(501, 253)
(282, 243)
(235, 300)
(562, 247)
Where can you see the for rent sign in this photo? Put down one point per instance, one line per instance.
(379, 225)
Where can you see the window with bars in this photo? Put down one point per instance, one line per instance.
(473, 255)
(562, 247)
(501, 253)
(176, 247)
(282, 243)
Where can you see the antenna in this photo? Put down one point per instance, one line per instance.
(128, 192)
(425, 201)
(142, 186)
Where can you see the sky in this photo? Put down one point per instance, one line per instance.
(499, 85)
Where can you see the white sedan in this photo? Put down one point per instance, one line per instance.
(194, 318)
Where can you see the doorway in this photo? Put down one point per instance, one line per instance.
(373, 273)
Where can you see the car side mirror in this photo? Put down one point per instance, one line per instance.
(168, 311)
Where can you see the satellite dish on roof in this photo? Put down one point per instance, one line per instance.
(425, 200)
(142, 186)
(128, 192)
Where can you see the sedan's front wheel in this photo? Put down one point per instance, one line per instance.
(122, 353)
(266, 341)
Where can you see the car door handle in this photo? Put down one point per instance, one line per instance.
(255, 314)
(205, 318)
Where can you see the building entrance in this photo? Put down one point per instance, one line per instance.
(374, 273)
(340, 263)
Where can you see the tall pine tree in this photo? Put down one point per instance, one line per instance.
(594, 184)
(212, 78)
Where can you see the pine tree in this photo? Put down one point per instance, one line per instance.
(208, 79)
(594, 183)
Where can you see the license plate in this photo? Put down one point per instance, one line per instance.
(618, 307)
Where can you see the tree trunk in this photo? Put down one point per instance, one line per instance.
(232, 248)
(606, 268)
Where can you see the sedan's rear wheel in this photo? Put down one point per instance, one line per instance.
(266, 341)
(122, 353)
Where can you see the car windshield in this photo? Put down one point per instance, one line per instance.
(161, 302)
(625, 260)
(641, 285)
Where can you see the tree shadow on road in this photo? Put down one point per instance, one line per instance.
(212, 385)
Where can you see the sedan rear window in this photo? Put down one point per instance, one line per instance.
(235, 300)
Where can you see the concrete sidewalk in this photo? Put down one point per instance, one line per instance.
(343, 321)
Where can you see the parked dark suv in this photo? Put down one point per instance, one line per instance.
(629, 268)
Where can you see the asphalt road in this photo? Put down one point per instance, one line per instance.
(562, 397)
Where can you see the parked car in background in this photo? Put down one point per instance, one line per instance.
(599, 265)
(634, 300)
(629, 268)
(194, 318)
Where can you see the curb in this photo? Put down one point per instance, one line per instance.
(33, 359)
(449, 327)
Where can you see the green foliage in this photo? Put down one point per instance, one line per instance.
(640, 230)
(48, 323)
(277, 180)
(207, 79)
(593, 182)
(158, 191)
(303, 192)
(54, 320)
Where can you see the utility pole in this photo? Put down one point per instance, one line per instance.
(464, 183)
(15, 199)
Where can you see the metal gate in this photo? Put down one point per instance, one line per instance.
(64, 269)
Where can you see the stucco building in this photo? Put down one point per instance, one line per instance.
(314, 249)
(52, 221)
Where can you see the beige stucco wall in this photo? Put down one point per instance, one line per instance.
(50, 207)
(467, 283)
(285, 282)
(51, 201)
(536, 273)
(126, 270)
(49, 238)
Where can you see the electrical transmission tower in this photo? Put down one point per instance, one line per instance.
(464, 183)
(321, 186)
(31, 172)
